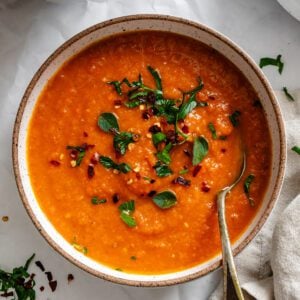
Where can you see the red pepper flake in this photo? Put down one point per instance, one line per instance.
(151, 193)
(117, 102)
(73, 154)
(185, 129)
(205, 188)
(182, 181)
(95, 158)
(70, 278)
(42, 288)
(154, 129)
(138, 175)
(5, 218)
(211, 97)
(223, 150)
(90, 171)
(85, 134)
(7, 294)
(40, 265)
(54, 163)
(187, 152)
(115, 198)
(146, 115)
(49, 275)
(196, 170)
(152, 181)
(53, 285)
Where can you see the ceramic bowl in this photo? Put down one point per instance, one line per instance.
(136, 23)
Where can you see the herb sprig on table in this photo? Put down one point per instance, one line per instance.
(18, 282)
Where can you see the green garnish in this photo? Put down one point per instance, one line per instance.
(156, 77)
(165, 199)
(162, 170)
(296, 149)
(183, 171)
(117, 85)
(164, 155)
(81, 153)
(158, 138)
(79, 247)
(288, 95)
(247, 184)
(16, 281)
(107, 122)
(234, 118)
(212, 129)
(126, 209)
(200, 150)
(96, 200)
(108, 163)
(268, 61)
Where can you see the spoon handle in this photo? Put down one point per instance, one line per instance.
(226, 248)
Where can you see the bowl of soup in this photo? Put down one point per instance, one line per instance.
(127, 133)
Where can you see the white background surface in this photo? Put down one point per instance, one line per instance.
(31, 30)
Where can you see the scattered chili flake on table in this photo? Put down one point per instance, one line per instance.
(70, 278)
(53, 285)
(5, 218)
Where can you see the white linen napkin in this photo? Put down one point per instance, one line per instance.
(269, 267)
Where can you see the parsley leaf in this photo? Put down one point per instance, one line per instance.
(212, 129)
(200, 150)
(122, 140)
(107, 122)
(117, 85)
(247, 184)
(268, 61)
(17, 282)
(108, 163)
(234, 118)
(156, 77)
(288, 95)
(126, 209)
(164, 155)
(162, 170)
(165, 199)
(158, 138)
(96, 200)
(296, 149)
(81, 151)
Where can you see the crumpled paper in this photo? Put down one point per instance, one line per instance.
(31, 30)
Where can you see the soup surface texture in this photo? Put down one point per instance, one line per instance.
(101, 151)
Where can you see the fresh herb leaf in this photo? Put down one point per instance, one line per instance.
(167, 108)
(81, 151)
(158, 138)
(164, 155)
(200, 150)
(212, 129)
(183, 171)
(165, 199)
(234, 118)
(126, 209)
(132, 104)
(107, 122)
(162, 170)
(108, 163)
(296, 149)
(268, 61)
(247, 184)
(156, 77)
(117, 85)
(18, 282)
(122, 140)
(288, 95)
(96, 200)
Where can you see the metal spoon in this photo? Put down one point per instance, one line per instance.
(228, 261)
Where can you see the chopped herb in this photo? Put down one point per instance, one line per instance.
(156, 77)
(107, 122)
(108, 163)
(184, 171)
(234, 118)
(164, 155)
(78, 152)
(268, 61)
(212, 129)
(122, 140)
(200, 150)
(162, 170)
(126, 209)
(167, 108)
(117, 85)
(150, 180)
(247, 184)
(19, 282)
(96, 200)
(296, 149)
(288, 95)
(165, 199)
(158, 138)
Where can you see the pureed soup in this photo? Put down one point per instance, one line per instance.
(130, 142)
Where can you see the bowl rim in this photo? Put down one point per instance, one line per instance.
(251, 63)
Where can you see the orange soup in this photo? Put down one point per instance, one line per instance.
(130, 142)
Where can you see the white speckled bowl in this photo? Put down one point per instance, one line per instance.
(135, 23)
